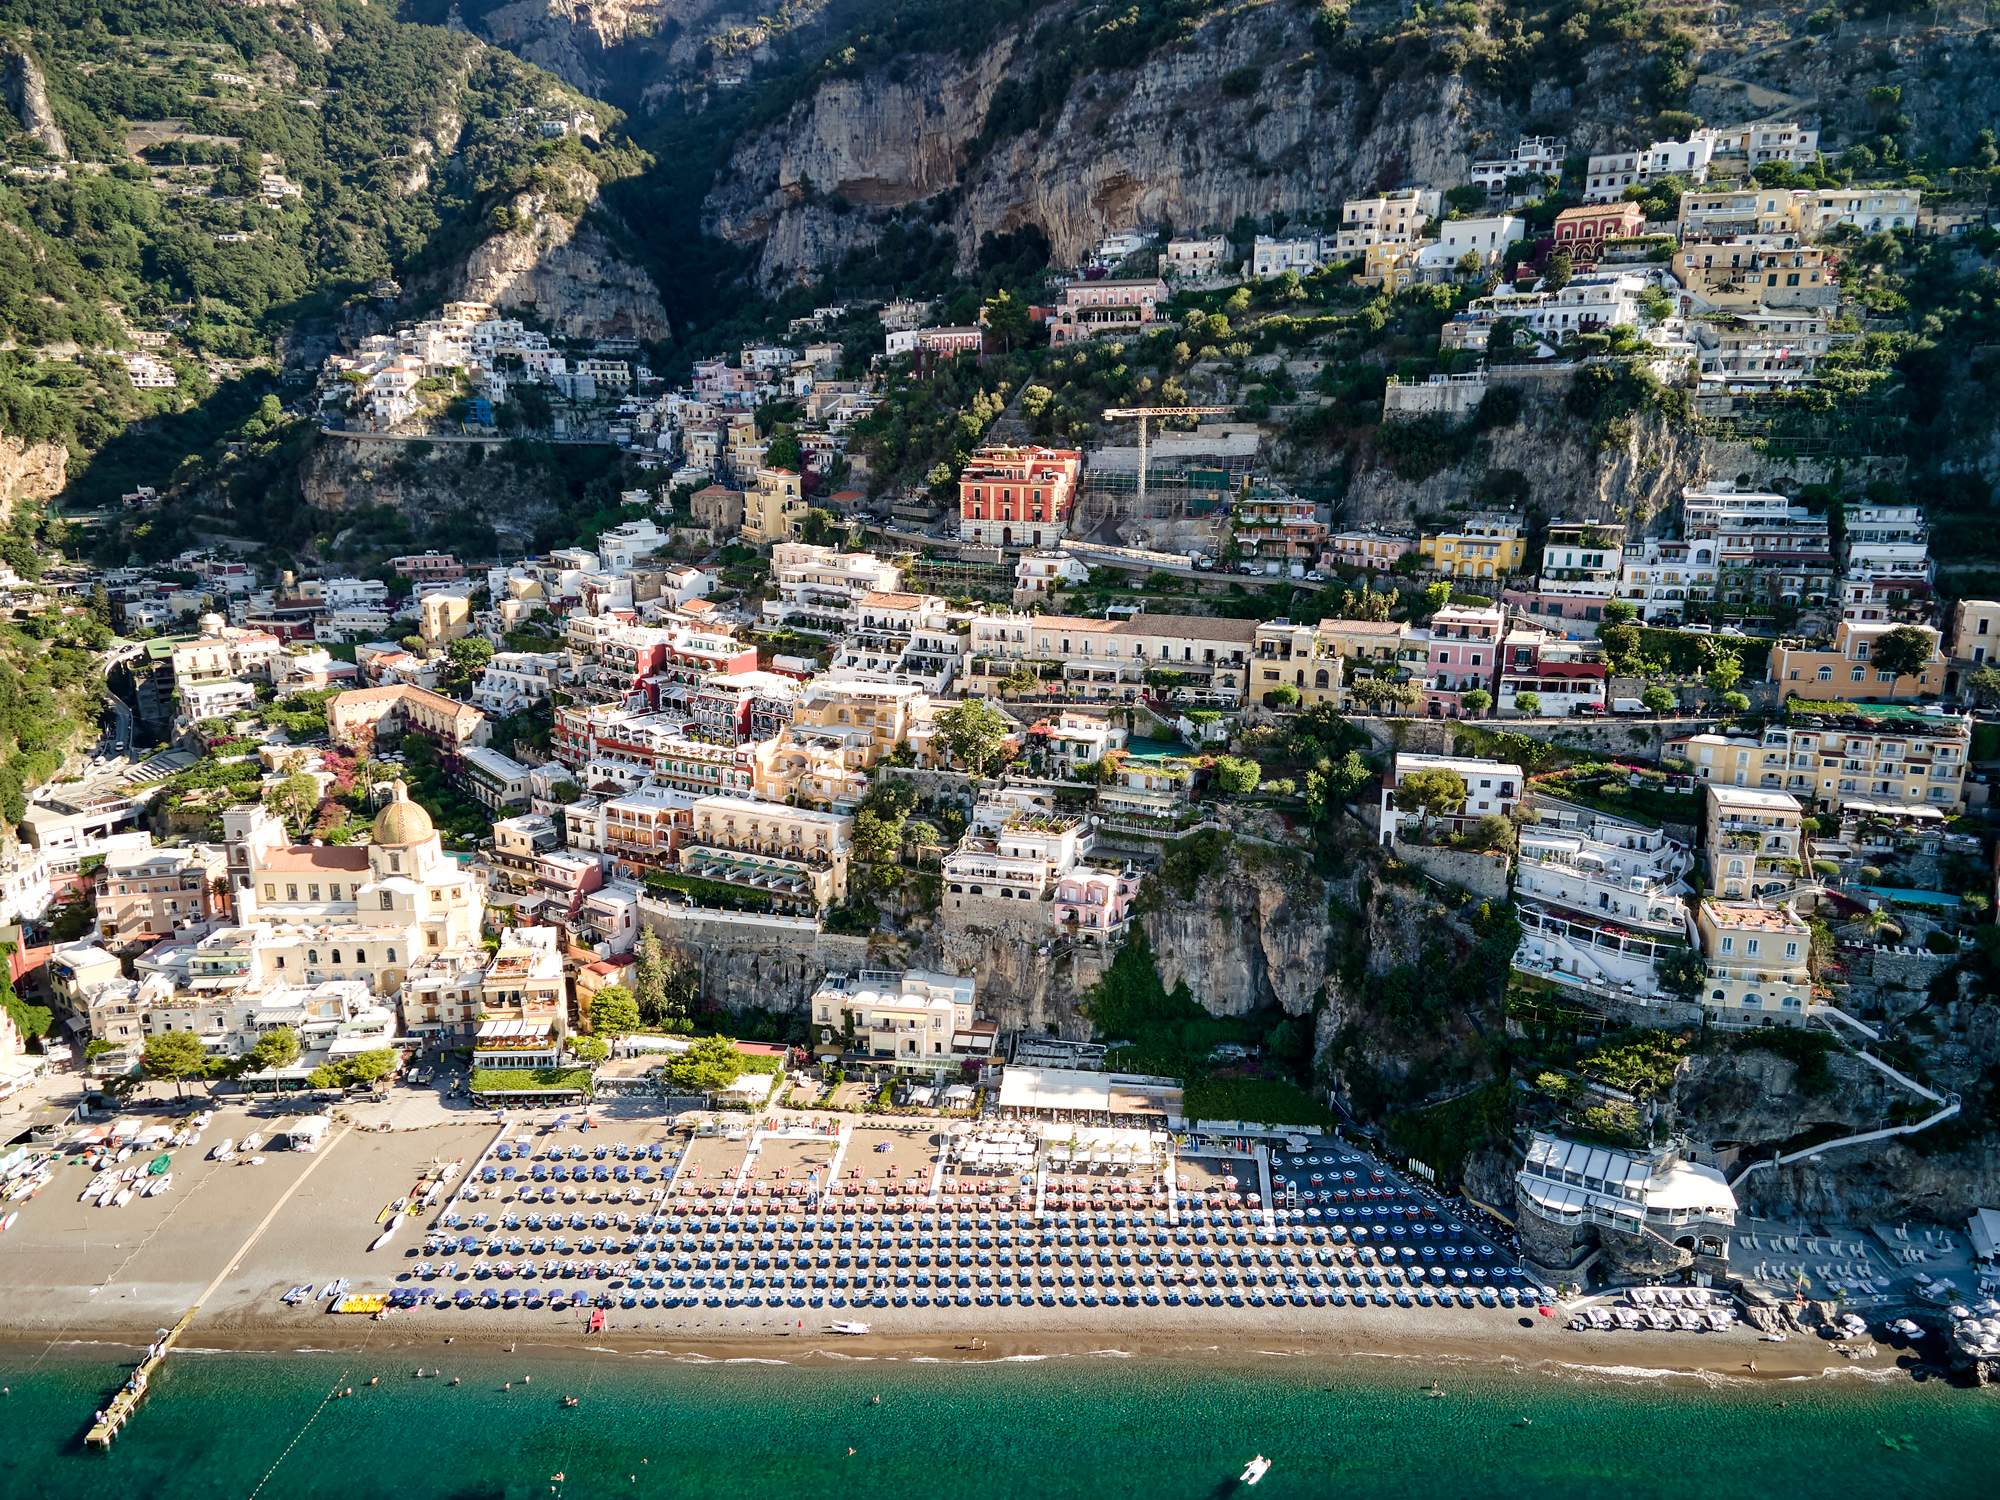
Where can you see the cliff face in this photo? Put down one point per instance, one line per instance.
(560, 263)
(1254, 935)
(30, 471)
(342, 474)
(27, 95)
(610, 47)
(1177, 138)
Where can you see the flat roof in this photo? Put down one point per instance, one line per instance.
(1075, 1089)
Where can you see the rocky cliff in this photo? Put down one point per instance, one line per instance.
(558, 260)
(625, 49)
(30, 471)
(27, 95)
(438, 482)
(1248, 116)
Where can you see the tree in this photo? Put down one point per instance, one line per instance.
(664, 989)
(589, 1049)
(1904, 651)
(710, 1064)
(1983, 687)
(1658, 700)
(783, 451)
(1476, 702)
(1436, 596)
(1736, 703)
(1236, 775)
(1619, 612)
(1556, 274)
(1528, 703)
(1724, 673)
(178, 1055)
(876, 838)
(292, 800)
(1430, 793)
(1284, 695)
(1006, 319)
(467, 658)
(276, 1048)
(973, 734)
(1385, 695)
(614, 1011)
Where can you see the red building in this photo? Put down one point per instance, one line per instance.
(1018, 497)
(1581, 232)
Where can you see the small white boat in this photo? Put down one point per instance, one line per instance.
(159, 1185)
(124, 1197)
(848, 1326)
(334, 1288)
(8, 1222)
(1255, 1470)
(388, 1232)
(224, 1149)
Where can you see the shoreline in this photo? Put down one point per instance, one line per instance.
(1641, 1357)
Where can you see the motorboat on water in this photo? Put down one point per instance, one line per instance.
(1255, 1470)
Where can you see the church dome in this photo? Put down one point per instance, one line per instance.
(402, 822)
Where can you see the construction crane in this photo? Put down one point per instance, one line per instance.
(1144, 415)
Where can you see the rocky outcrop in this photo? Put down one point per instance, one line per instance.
(27, 95)
(30, 471)
(1247, 117)
(610, 48)
(559, 262)
(1252, 935)
(432, 481)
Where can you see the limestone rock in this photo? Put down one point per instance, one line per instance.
(30, 471)
(27, 95)
(558, 263)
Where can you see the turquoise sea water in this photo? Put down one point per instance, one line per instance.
(243, 1425)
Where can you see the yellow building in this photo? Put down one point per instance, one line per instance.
(1489, 546)
(1975, 631)
(1756, 958)
(794, 854)
(1842, 670)
(1284, 654)
(443, 617)
(1754, 841)
(1889, 755)
(773, 508)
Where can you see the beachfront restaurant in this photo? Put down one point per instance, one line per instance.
(516, 1044)
(1067, 1096)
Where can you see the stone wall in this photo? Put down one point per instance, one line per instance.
(1484, 873)
(747, 959)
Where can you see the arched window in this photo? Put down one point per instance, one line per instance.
(312, 955)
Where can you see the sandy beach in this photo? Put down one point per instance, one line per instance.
(235, 1237)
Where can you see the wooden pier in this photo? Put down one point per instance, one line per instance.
(118, 1411)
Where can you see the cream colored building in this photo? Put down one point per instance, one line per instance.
(444, 617)
(1897, 755)
(796, 855)
(1843, 669)
(1975, 631)
(362, 912)
(912, 1020)
(773, 507)
(1757, 963)
(1754, 842)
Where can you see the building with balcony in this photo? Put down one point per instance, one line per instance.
(1880, 753)
(1843, 669)
(1192, 660)
(1486, 546)
(1565, 676)
(358, 719)
(1267, 523)
(1756, 957)
(1582, 559)
(1098, 309)
(1647, 1214)
(1662, 578)
(1373, 551)
(1533, 159)
(1018, 496)
(774, 507)
(145, 894)
(908, 1020)
(1492, 789)
(1887, 571)
(1754, 842)
(796, 856)
(1462, 653)
(497, 782)
(1398, 217)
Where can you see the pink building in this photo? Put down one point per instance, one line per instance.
(1094, 903)
(1463, 654)
(1092, 309)
(1373, 551)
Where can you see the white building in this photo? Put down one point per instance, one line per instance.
(1661, 578)
(1610, 173)
(1485, 238)
(1193, 258)
(912, 1020)
(1534, 157)
(1492, 789)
